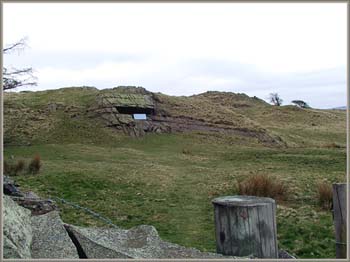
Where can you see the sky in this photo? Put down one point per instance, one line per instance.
(297, 50)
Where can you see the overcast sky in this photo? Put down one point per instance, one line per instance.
(296, 50)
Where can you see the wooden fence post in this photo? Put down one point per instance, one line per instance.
(246, 225)
(339, 219)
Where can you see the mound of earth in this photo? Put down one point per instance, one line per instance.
(49, 116)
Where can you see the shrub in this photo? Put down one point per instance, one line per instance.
(34, 165)
(325, 195)
(186, 151)
(334, 145)
(19, 167)
(11, 169)
(7, 168)
(264, 186)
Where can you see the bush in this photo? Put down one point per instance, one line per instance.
(13, 169)
(325, 195)
(186, 151)
(334, 145)
(264, 186)
(19, 167)
(7, 168)
(34, 165)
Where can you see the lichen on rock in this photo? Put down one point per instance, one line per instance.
(17, 230)
(138, 242)
(50, 239)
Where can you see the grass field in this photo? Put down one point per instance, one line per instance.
(169, 181)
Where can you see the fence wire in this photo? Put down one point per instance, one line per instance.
(87, 210)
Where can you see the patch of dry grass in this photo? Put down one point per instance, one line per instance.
(325, 195)
(334, 145)
(35, 165)
(264, 186)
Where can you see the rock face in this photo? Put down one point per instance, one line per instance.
(50, 239)
(29, 199)
(27, 236)
(17, 230)
(138, 242)
(10, 187)
(284, 254)
(117, 107)
(37, 206)
(52, 107)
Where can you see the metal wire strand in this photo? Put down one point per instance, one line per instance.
(87, 210)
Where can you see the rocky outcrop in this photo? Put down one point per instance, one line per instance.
(37, 206)
(284, 254)
(116, 109)
(50, 239)
(10, 188)
(46, 236)
(138, 242)
(53, 107)
(29, 200)
(141, 242)
(17, 230)
(27, 236)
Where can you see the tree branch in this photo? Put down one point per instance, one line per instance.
(13, 78)
(18, 46)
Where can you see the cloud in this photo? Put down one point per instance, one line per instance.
(275, 37)
(198, 76)
(297, 50)
(69, 59)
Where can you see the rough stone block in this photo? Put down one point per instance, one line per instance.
(138, 242)
(17, 230)
(50, 239)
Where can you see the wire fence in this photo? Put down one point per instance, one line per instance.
(87, 210)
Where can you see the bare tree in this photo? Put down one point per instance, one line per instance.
(14, 77)
(275, 99)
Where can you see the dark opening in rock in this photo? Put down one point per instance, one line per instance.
(135, 110)
(80, 250)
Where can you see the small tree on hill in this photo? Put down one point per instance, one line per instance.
(300, 103)
(275, 99)
(14, 77)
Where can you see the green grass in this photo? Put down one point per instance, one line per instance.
(169, 181)
(73, 96)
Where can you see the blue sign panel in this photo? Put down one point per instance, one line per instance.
(140, 116)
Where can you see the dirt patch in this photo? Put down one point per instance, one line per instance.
(184, 124)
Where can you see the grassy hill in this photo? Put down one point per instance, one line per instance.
(168, 179)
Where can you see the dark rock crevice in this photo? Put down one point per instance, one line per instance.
(134, 110)
(76, 243)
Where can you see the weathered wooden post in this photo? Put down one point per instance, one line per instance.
(246, 225)
(339, 219)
